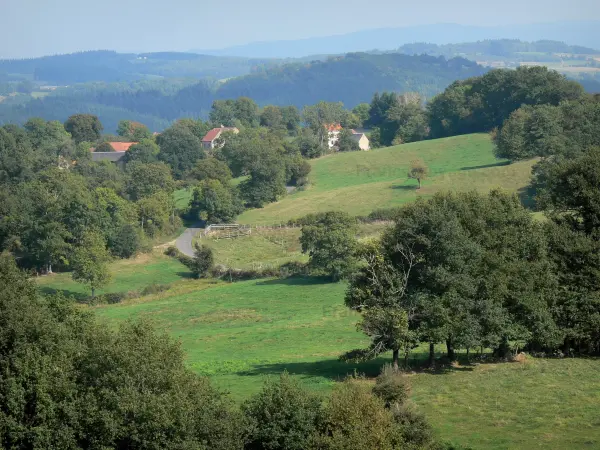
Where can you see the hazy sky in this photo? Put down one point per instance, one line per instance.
(41, 27)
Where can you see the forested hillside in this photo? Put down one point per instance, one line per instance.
(109, 66)
(351, 79)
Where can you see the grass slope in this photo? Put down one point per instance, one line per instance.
(239, 333)
(360, 182)
(127, 275)
(269, 247)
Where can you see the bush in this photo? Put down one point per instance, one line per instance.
(356, 419)
(281, 416)
(172, 251)
(125, 242)
(412, 426)
(202, 262)
(391, 386)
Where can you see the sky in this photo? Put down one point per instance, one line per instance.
(43, 27)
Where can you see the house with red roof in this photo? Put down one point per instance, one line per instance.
(210, 140)
(119, 150)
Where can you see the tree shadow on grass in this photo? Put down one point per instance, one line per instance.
(77, 296)
(527, 197)
(337, 370)
(296, 280)
(186, 275)
(405, 187)
(331, 369)
(487, 166)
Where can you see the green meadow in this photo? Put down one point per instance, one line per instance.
(360, 182)
(238, 334)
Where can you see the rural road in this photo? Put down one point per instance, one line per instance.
(184, 242)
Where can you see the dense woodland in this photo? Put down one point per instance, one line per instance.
(472, 271)
(351, 79)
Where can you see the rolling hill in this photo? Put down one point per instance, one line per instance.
(360, 182)
(351, 79)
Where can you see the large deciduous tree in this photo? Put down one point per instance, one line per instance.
(467, 269)
(329, 239)
(215, 202)
(84, 127)
(180, 149)
(90, 261)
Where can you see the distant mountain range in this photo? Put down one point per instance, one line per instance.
(585, 34)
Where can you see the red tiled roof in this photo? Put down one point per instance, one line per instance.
(333, 127)
(212, 135)
(121, 146)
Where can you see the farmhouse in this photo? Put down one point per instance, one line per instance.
(362, 139)
(334, 134)
(209, 141)
(119, 150)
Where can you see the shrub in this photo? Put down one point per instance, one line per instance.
(391, 386)
(172, 251)
(202, 262)
(412, 426)
(281, 416)
(356, 419)
(125, 242)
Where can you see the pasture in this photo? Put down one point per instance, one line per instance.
(238, 334)
(360, 182)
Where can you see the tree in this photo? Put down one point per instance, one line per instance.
(356, 419)
(145, 151)
(418, 171)
(362, 111)
(69, 382)
(329, 240)
(567, 187)
(246, 111)
(90, 261)
(145, 180)
(460, 269)
(203, 261)
(309, 145)
(407, 119)
(223, 113)
(272, 117)
(215, 202)
(104, 147)
(211, 169)
(297, 169)
(480, 104)
(84, 127)
(134, 131)
(180, 149)
(125, 242)
(291, 119)
(155, 212)
(282, 416)
(346, 142)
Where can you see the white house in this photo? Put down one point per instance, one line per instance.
(334, 134)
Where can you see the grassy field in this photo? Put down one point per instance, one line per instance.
(240, 333)
(360, 182)
(268, 248)
(127, 275)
